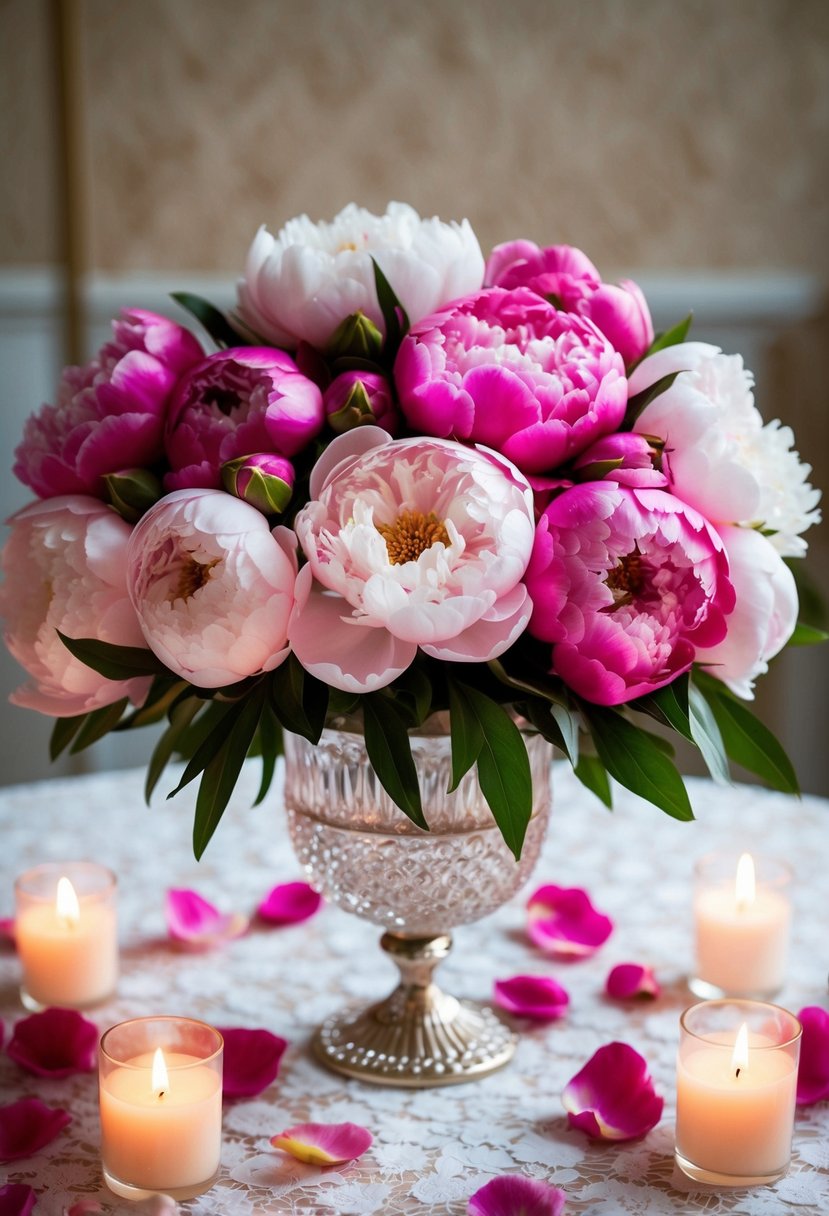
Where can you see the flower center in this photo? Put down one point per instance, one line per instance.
(192, 576)
(626, 580)
(411, 534)
(225, 399)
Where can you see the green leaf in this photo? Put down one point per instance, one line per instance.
(707, 736)
(394, 314)
(668, 705)
(181, 715)
(671, 337)
(114, 662)
(98, 723)
(390, 754)
(413, 694)
(466, 735)
(215, 322)
(749, 742)
(63, 732)
(221, 774)
(163, 694)
(299, 701)
(593, 776)
(636, 405)
(221, 716)
(807, 635)
(637, 760)
(270, 746)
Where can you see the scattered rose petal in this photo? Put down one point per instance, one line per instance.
(54, 1043)
(512, 1195)
(7, 933)
(563, 921)
(17, 1199)
(83, 1207)
(191, 919)
(324, 1143)
(289, 903)
(813, 1073)
(630, 981)
(532, 996)
(612, 1097)
(251, 1061)
(27, 1126)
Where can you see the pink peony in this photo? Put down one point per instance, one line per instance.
(507, 369)
(110, 413)
(569, 278)
(212, 586)
(355, 398)
(626, 584)
(65, 564)
(422, 542)
(235, 403)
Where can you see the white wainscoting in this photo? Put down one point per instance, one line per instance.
(743, 313)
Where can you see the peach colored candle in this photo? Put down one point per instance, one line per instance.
(67, 935)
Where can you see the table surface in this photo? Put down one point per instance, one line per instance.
(432, 1148)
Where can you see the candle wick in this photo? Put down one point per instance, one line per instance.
(738, 1072)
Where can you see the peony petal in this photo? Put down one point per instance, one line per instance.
(54, 1043)
(17, 1199)
(532, 996)
(513, 1195)
(629, 981)
(251, 1061)
(83, 1207)
(324, 1143)
(27, 1126)
(563, 921)
(813, 1072)
(191, 919)
(288, 903)
(612, 1096)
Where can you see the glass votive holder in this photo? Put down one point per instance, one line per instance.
(736, 1085)
(66, 928)
(742, 925)
(160, 1091)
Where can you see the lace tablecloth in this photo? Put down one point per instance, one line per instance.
(432, 1148)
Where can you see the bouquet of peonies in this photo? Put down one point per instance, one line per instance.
(406, 479)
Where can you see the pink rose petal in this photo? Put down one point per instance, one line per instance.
(631, 981)
(7, 934)
(191, 919)
(324, 1143)
(813, 1072)
(512, 1195)
(83, 1207)
(563, 921)
(612, 1097)
(288, 903)
(28, 1125)
(532, 996)
(251, 1061)
(54, 1043)
(17, 1199)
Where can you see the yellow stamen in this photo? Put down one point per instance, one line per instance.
(192, 576)
(411, 534)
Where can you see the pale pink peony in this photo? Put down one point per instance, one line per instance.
(237, 402)
(569, 278)
(110, 413)
(212, 586)
(301, 284)
(507, 369)
(627, 585)
(410, 542)
(65, 566)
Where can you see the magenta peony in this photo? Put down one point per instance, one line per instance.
(110, 413)
(507, 369)
(355, 398)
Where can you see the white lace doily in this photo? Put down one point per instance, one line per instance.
(432, 1148)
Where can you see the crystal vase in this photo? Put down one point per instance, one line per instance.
(364, 854)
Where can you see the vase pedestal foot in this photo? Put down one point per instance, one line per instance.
(419, 1036)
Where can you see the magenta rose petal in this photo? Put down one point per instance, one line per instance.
(83, 1207)
(54, 1043)
(251, 1061)
(17, 1199)
(324, 1143)
(195, 921)
(512, 1195)
(532, 996)
(631, 981)
(564, 922)
(7, 934)
(28, 1125)
(288, 903)
(813, 1072)
(612, 1096)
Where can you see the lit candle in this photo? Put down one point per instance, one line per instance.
(742, 922)
(735, 1092)
(67, 935)
(160, 1088)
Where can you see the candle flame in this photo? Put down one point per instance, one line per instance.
(160, 1077)
(739, 1059)
(66, 902)
(744, 889)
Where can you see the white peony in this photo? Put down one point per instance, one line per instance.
(301, 284)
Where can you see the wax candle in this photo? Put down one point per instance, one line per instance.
(742, 923)
(735, 1092)
(67, 934)
(160, 1089)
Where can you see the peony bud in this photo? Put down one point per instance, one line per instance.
(264, 480)
(355, 398)
(132, 492)
(356, 337)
